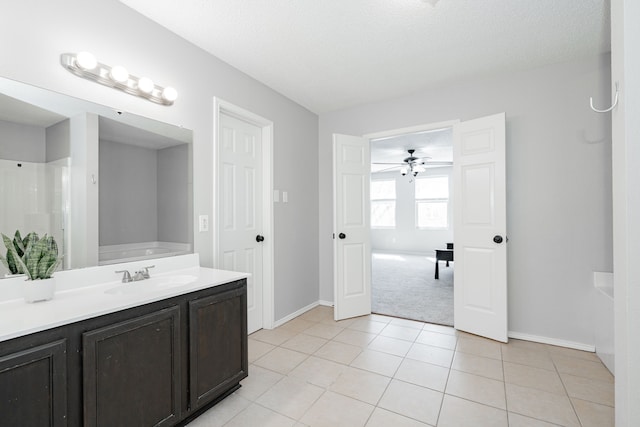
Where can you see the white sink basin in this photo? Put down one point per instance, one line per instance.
(153, 284)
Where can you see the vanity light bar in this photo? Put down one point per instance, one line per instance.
(84, 64)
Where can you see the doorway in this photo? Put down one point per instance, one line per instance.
(411, 218)
(480, 293)
(243, 210)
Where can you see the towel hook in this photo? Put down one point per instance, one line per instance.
(615, 102)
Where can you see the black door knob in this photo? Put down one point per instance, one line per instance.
(259, 238)
(497, 239)
(342, 235)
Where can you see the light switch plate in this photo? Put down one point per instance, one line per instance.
(276, 196)
(285, 197)
(203, 223)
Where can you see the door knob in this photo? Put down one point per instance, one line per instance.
(342, 235)
(259, 238)
(497, 239)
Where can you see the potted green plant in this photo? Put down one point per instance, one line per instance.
(39, 261)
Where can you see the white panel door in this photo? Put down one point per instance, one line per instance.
(241, 208)
(352, 246)
(480, 241)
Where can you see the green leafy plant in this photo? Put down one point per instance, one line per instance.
(20, 245)
(39, 257)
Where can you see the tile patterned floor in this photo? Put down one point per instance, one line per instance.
(379, 371)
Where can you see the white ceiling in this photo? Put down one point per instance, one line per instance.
(332, 54)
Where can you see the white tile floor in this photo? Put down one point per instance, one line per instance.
(379, 371)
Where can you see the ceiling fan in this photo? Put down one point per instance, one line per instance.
(412, 164)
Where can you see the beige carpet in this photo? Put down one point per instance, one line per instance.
(404, 286)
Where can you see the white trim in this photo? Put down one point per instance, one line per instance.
(325, 303)
(552, 341)
(219, 107)
(302, 311)
(293, 315)
(411, 129)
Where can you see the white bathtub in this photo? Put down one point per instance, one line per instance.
(604, 329)
(114, 254)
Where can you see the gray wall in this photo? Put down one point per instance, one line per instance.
(145, 48)
(33, 143)
(128, 194)
(173, 193)
(22, 142)
(58, 141)
(143, 194)
(405, 237)
(558, 183)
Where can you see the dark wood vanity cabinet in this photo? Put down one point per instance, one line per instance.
(131, 372)
(33, 386)
(218, 347)
(158, 364)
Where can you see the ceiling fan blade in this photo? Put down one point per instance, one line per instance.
(387, 169)
(439, 163)
(384, 163)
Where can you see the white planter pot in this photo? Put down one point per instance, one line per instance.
(39, 290)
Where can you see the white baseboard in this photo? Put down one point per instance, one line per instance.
(552, 341)
(295, 314)
(326, 303)
(302, 311)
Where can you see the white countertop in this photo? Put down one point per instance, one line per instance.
(74, 301)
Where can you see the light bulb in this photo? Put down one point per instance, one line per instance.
(119, 74)
(169, 94)
(145, 84)
(86, 61)
(403, 171)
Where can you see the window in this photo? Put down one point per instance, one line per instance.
(432, 202)
(383, 203)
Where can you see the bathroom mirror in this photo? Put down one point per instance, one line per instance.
(108, 185)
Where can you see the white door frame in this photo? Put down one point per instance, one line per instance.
(223, 107)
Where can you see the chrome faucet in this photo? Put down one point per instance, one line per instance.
(137, 276)
(142, 274)
(126, 277)
(145, 274)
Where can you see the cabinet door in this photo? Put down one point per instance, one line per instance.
(131, 373)
(218, 336)
(33, 386)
